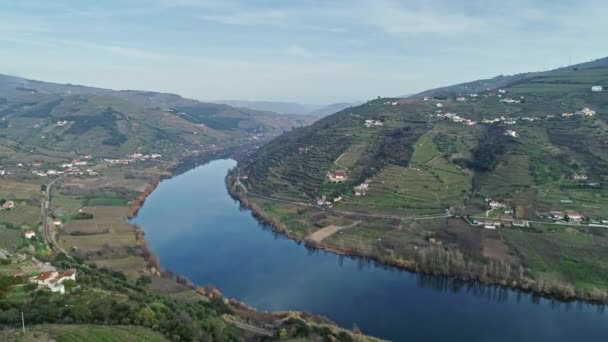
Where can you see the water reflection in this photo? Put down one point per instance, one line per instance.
(217, 241)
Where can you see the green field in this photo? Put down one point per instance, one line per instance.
(21, 214)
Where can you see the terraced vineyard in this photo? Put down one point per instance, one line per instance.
(537, 146)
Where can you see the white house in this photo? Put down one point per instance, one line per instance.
(597, 88)
(574, 215)
(54, 280)
(439, 105)
(55, 286)
(29, 234)
(579, 176)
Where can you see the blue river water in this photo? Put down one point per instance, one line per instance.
(197, 230)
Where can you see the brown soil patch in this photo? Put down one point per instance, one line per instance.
(328, 231)
(496, 249)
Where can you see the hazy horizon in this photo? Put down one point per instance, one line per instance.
(313, 52)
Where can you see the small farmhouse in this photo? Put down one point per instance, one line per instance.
(54, 280)
(337, 176)
(557, 215)
(597, 88)
(492, 204)
(574, 215)
(29, 234)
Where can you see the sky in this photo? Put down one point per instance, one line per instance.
(309, 51)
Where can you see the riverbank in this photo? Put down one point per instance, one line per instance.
(243, 316)
(542, 288)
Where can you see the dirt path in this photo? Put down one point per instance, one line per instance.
(328, 231)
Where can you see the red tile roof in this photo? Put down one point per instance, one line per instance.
(44, 276)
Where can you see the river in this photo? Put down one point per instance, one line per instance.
(197, 230)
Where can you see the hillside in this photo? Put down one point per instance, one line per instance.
(505, 80)
(314, 110)
(108, 123)
(505, 186)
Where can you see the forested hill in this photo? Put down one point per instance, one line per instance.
(106, 122)
(505, 80)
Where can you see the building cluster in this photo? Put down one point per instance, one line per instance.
(389, 103)
(323, 201)
(304, 149)
(63, 123)
(568, 215)
(456, 118)
(361, 189)
(587, 112)
(493, 204)
(373, 123)
(509, 100)
(53, 280)
(131, 158)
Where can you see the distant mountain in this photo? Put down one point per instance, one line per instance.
(106, 122)
(504, 81)
(314, 110)
(271, 106)
(333, 108)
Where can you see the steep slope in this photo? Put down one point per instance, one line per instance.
(414, 183)
(504, 81)
(105, 122)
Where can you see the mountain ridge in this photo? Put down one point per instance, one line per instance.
(503, 80)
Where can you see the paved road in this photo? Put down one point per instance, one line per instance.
(250, 328)
(46, 205)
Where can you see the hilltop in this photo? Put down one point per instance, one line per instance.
(505, 80)
(504, 185)
(313, 110)
(109, 123)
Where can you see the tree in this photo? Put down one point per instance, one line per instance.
(69, 285)
(143, 280)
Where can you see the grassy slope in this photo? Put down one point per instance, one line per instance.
(68, 333)
(532, 173)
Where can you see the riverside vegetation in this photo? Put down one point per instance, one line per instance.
(505, 185)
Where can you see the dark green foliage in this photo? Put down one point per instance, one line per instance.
(209, 115)
(490, 148)
(7, 282)
(106, 120)
(83, 216)
(396, 146)
(183, 321)
(445, 143)
(43, 109)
